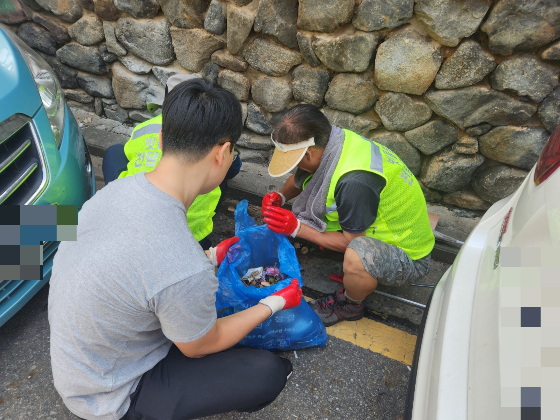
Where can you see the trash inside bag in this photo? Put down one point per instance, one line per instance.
(263, 276)
(259, 247)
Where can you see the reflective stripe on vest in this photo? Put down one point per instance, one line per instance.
(143, 154)
(402, 216)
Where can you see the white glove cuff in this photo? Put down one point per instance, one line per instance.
(213, 258)
(295, 232)
(275, 303)
(283, 198)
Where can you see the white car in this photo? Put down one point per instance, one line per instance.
(489, 344)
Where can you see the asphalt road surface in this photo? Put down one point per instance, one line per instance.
(362, 372)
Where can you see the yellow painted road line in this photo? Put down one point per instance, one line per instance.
(377, 337)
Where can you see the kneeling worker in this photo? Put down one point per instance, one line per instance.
(132, 301)
(354, 196)
(142, 153)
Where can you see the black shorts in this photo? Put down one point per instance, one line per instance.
(179, 387)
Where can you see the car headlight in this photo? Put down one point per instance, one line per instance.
(48, 87)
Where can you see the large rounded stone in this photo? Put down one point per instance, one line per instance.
(467, 66)
(346, 53)
(527, 76)
(129, 88)
(324, 16)
(185, 14)
(466, 146)
(97, 86)
(374, 15)
(215, 20)
(211, 72)
(87, 31)
(272, 93)
(400, 112)
(239, 25)
(135, 64)
(164, 73)
(466, 198)
(278, 18)
(431, 196)
(235, 83)
(517, 146)
(113, 46)
(83, 58)
(37, 37)
(107, 56)
(515, 25)
(474, 105)
(496, 182)
(195, 46)
(270, 58)
(309, 84)
(306, 48)
(361, 124)
(406, 63)
(352, 93)
(78, 95)
(447, 21)
(403, 149)
(15, 12)
(549, 110)
(115, 112)
(257, 120)
(449, 171)
(552, 52)
(106, 10)
(156, 48)
(65, 75)
(67, 10)
(432, 137)
(58, 30)
(138, 9)
(224, 59)
(253, 141)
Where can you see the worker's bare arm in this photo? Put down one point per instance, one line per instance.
(337, 241)
(226, 332)
(289, 190)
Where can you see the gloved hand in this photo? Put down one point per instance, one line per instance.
(218, 253)
(273, 199)
(281, 221)
(286, 298)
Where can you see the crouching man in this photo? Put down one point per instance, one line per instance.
(354, 196)
(134, 333)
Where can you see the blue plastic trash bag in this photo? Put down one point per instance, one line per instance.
(258, 246)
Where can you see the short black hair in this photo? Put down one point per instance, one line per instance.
(196, 116)
(300, 123)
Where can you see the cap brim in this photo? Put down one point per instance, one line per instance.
(283, 162)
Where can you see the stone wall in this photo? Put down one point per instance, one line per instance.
(465, 92)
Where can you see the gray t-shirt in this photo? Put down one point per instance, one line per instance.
(133, 282)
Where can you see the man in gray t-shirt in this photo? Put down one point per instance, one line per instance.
(132, 301)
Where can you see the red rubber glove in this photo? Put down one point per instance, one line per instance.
(218, 253)
(272, 199)
(281, 221)
(286, 298)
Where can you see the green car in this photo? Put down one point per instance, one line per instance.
(44, 158)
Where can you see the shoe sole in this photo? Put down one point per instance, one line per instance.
(354, 318)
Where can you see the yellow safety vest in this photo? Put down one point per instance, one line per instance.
(143, 154)
(402, 216)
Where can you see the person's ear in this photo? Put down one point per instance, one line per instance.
(159, 140)
(223, 149)
(307, 155)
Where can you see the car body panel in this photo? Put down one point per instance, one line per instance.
(66, 181)
(17, 88)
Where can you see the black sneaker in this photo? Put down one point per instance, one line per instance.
(334, 308)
